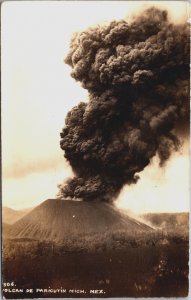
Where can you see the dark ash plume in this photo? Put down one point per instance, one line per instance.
(137, 76)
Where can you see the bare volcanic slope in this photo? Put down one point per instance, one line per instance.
(57, 219)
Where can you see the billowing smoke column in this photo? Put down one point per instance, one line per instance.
(137, 76)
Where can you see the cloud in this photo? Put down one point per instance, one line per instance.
(137, 76)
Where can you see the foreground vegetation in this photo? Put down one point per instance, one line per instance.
(152, 264)
(119, 240)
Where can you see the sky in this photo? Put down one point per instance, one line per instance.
(38, 91)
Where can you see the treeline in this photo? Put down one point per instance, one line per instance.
(13, 248)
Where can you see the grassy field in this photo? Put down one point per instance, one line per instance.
(115, 265)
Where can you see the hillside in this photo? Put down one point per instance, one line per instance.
(5, 229)
(11, 216)
(57, 219)
(167, 221)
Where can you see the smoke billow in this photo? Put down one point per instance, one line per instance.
(137, 76)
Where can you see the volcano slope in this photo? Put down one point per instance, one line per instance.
(56, 220)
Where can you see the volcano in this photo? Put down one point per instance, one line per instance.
(56, 219)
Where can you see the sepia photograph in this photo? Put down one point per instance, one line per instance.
(95, 116)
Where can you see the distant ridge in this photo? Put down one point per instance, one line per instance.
(11, 216)
(57, 219)
(167, 221)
